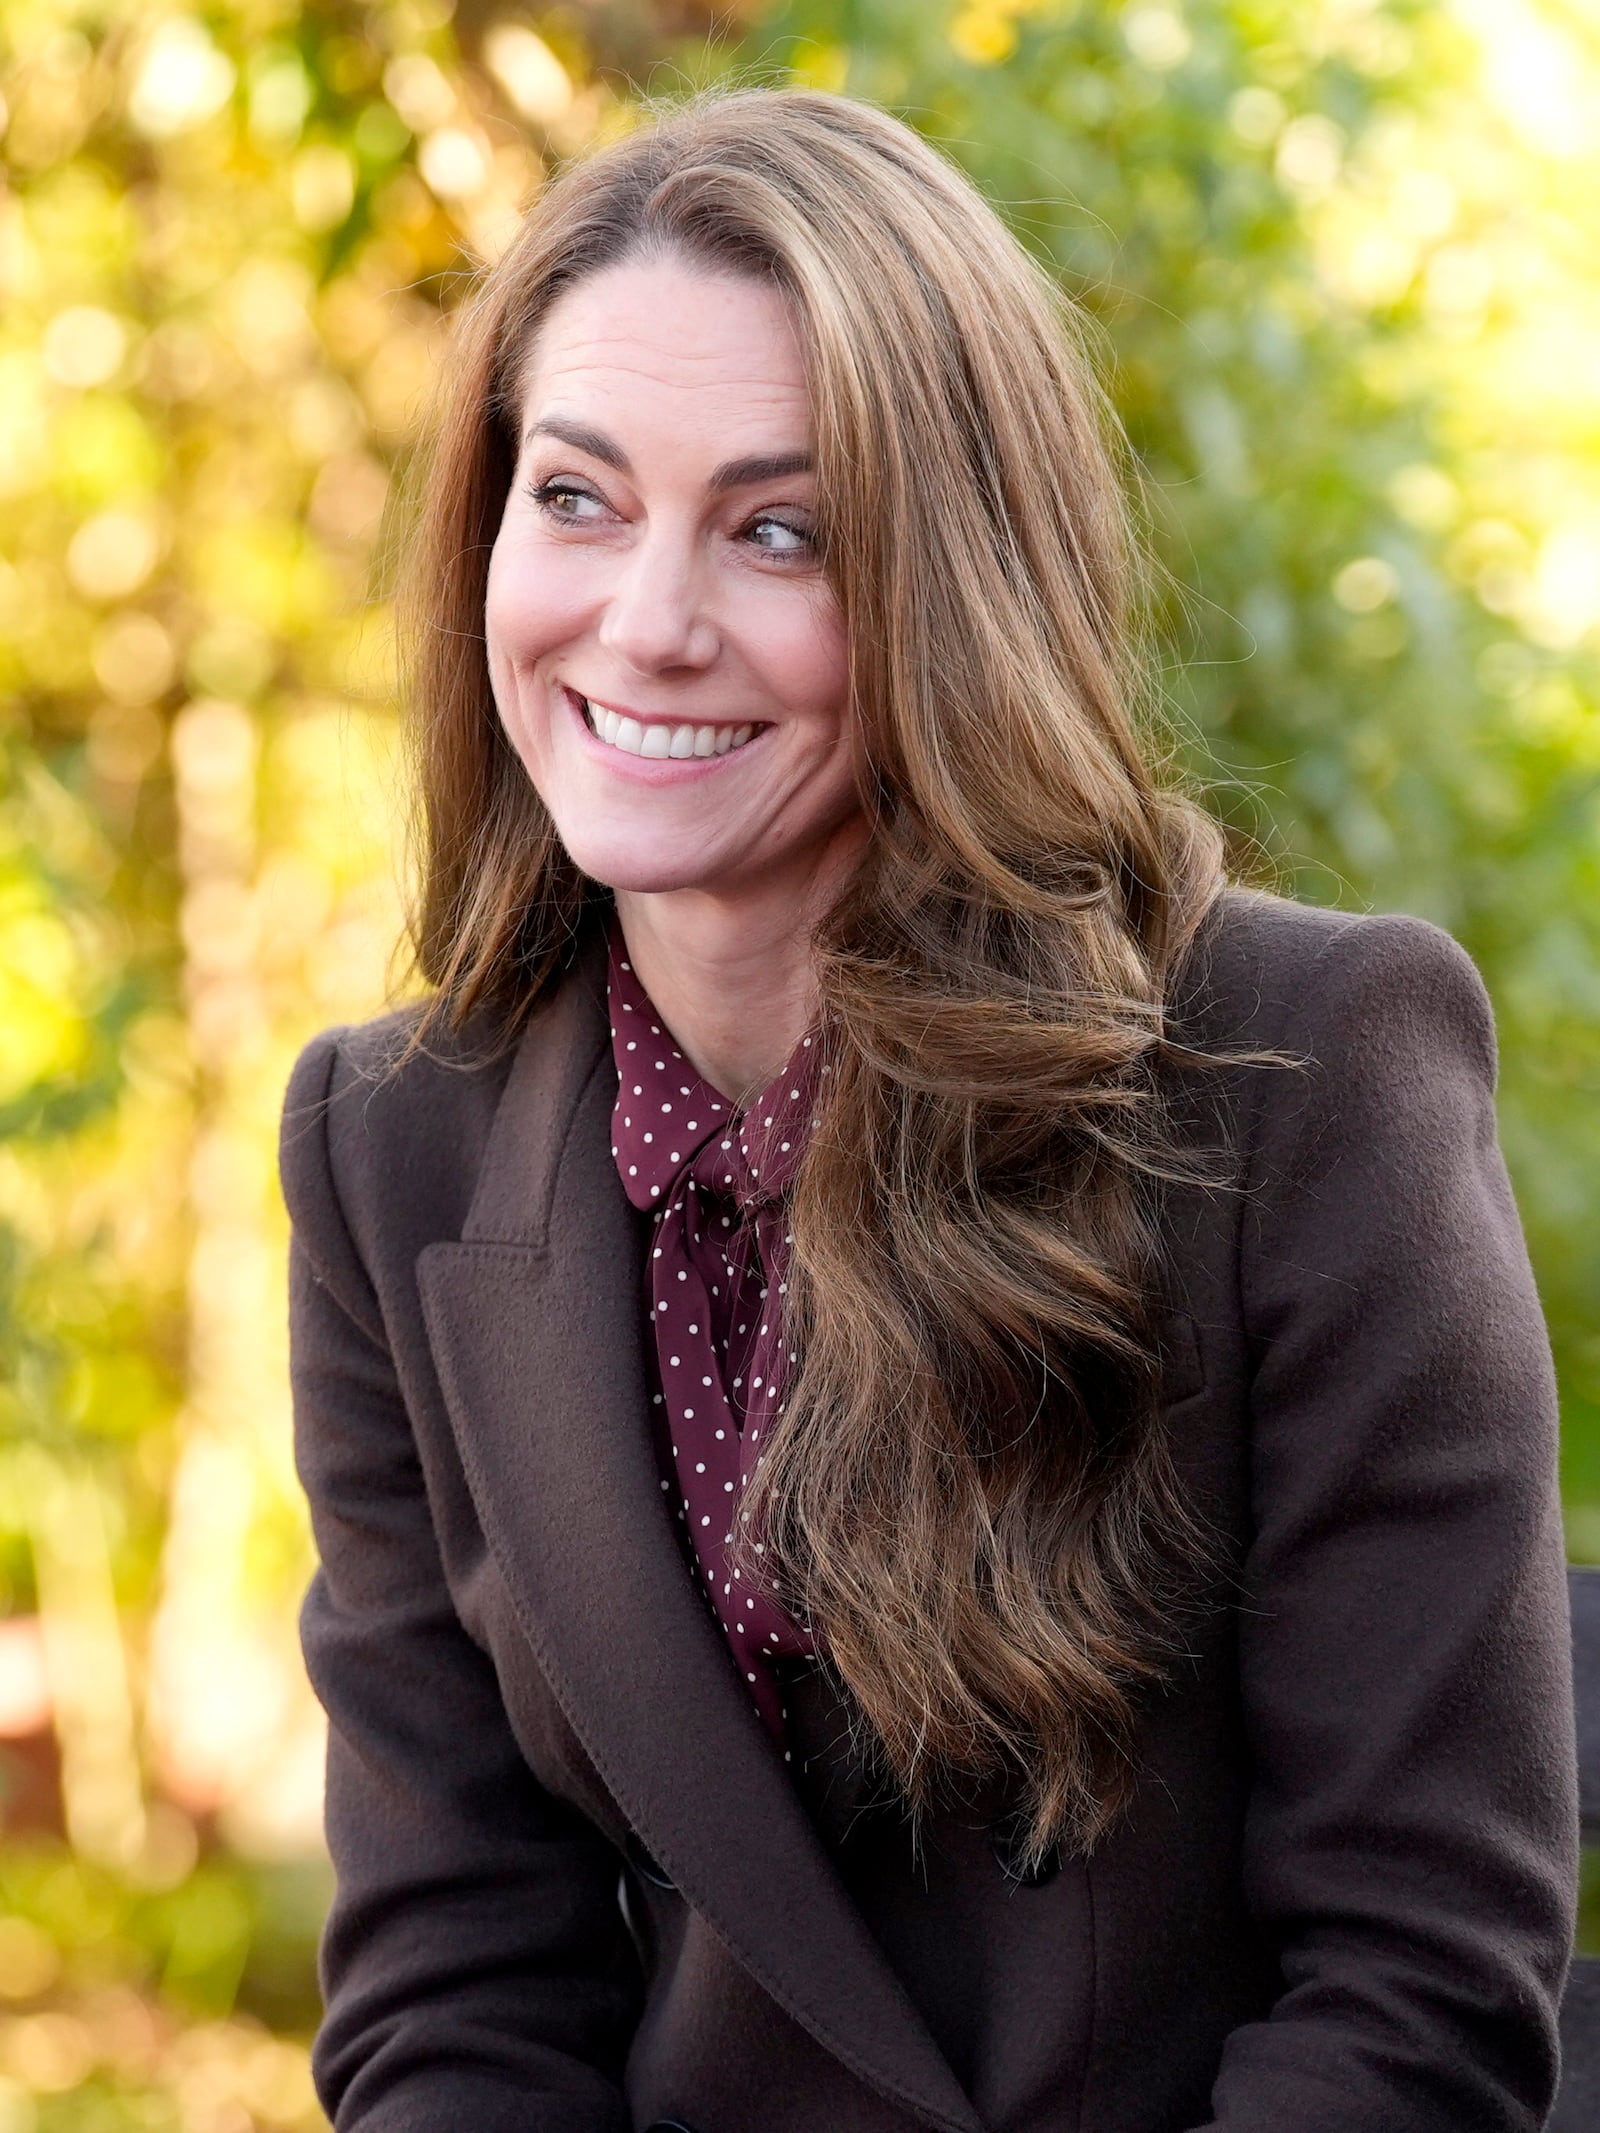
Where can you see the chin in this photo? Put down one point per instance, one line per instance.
(635, 871)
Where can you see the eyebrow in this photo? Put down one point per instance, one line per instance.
(732, 474)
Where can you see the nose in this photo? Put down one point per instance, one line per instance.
(656, 617)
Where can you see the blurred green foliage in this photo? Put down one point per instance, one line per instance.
(1339, 255)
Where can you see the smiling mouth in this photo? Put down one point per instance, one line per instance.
(658, 739)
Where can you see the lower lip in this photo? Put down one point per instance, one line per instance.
(653, 769)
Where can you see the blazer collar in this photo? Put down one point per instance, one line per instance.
(536, 1323)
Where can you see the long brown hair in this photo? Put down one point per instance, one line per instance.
(969, 1495)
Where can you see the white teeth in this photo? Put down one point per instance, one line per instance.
(656, 741)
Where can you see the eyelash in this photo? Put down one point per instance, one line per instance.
(545, 494)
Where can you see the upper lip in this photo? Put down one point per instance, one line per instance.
(662, 718)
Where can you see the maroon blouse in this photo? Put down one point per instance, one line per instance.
(714, 1183)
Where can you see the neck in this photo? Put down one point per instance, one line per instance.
(732, 972)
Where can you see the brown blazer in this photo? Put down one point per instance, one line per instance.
(578, 1891)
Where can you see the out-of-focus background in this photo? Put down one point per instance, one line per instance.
(1344, 256)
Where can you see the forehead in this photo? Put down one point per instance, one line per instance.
(667, 339)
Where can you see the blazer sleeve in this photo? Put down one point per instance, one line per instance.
(475, 1970)
(1411, 1840)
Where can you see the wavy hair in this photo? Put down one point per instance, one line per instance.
(970, 1496)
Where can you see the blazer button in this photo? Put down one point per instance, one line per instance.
(1007, 1839)
(647, 1869)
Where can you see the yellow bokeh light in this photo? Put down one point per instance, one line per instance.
(454, 163)
(1365, 585)
(112, 554)
(529, 72)
(84, 345)
(182, 80)
(984, 35)
(416, 87)
(1157, 35)
(322, 186)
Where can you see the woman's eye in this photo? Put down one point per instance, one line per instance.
(778, 537)
(565, 500)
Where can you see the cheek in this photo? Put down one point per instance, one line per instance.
(532, 608)
(533, 603)
(808, 664)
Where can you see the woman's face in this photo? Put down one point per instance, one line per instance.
(667, 656)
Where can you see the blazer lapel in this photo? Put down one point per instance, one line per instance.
(536, 1324)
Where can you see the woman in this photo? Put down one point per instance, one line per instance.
(929, 1433)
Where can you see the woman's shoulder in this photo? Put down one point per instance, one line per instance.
(388, 1119)
(1350, 1045)
(1264, 970)
(386, 1076)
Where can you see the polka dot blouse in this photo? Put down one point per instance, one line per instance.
(714, 1184)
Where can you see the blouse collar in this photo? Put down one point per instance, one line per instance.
(669, 1117)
